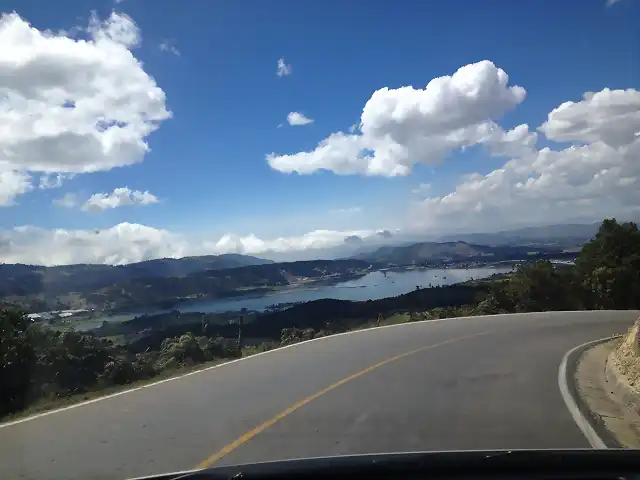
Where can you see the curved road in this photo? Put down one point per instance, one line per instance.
(467, 383)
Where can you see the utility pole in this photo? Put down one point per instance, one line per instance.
(240, 323)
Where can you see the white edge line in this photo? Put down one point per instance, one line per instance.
(279, 349)
(583, 424)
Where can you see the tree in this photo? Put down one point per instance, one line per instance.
(609, 266)
(534, 288)
(16, 359)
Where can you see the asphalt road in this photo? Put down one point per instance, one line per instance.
(476, 383)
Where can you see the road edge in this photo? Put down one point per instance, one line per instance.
(9, 423)
(589, 424)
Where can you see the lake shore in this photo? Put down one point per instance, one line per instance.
(371, 285)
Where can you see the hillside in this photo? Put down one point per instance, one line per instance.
(101, 287)
(20, 280)
(437, 253)
(567, 235)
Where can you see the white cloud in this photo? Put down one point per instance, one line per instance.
(284, 69)
(169, 47)
(47, 181)
(12, 184)
(403, 126)
(72, 105)
(610, 116)
(250, 244)
(127, 243)
(298, 119)
(119, 29)
(514, 143)
(122, 243)
(118, 198)
(598, 176)
(69, 200)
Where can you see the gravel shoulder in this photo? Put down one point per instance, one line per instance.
(606, 393)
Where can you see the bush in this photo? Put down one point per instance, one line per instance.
(37, 363)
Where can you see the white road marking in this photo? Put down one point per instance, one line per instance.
(153, 384)
(583, 424)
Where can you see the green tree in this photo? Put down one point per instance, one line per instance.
(16, 359)
(536, 287)
(609, 266)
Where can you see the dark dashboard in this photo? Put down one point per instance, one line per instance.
(520, 464)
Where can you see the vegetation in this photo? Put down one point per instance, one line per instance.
(561, 236)
(25, 279)
(38, 364)
(435, 253)
(152, 284)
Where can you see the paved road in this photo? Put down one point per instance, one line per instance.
(478, 383)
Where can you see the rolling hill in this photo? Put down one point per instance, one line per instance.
(19, 279)
(566, 235)
(153, 283)
(443, 252)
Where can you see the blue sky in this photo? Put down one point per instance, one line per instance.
(207, 164)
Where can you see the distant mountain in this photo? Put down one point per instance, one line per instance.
(442, 252)
(19, 279)
(159, 283)
(564, 235)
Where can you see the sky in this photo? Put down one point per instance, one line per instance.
(140, 129)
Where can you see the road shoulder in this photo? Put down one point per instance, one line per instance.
(603, 396)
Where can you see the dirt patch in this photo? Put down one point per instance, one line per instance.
(626, 358)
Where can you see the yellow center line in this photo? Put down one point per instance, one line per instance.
(269, 423)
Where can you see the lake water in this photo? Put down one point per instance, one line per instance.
(373, 286)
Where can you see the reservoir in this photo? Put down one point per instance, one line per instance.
(372, 286)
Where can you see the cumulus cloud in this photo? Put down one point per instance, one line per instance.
(298, 119)
(609, 116)
(12, 184)
(597, 176)
(250, 244)
(120, 244)
(71, 105)
(404, 126)
(127, 243)
(284, 69)
(118, 198)
(514, 143)
(47, 181)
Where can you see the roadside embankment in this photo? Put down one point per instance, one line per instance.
(622, 370)
(606, 377)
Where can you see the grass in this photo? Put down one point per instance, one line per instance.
(392, 320)
(43, 405)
